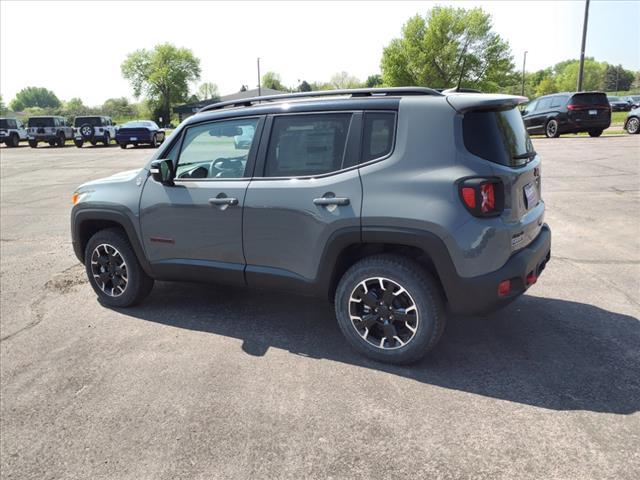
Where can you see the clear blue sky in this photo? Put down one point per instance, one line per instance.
(299, 40)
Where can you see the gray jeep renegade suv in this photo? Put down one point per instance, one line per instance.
(401, 205)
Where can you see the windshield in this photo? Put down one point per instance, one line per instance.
(139, 124)
(93, 121)
(499, 137)
(41, 122)
(614, 99)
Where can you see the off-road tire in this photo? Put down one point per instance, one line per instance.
(78, 143)
(13, 141)
(107, 139)
(61, 140)
(139, 284)
(418, 283)
(33, 144)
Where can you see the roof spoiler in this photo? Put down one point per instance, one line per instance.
(465, 102)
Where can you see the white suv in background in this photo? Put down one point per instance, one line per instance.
(12, 131)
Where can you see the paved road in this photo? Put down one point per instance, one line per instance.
(205, 382)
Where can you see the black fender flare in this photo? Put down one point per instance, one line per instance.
(80, 215)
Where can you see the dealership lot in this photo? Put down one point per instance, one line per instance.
(212, 382)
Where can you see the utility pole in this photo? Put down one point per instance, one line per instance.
(584, 41)
(259, 79)
(524, 62)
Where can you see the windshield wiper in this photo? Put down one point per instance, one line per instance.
(526, 155)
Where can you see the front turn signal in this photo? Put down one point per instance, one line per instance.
(75, 197)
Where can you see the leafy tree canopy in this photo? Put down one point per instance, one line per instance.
(344, 80)
(432, 49)
(207, 90)
(162, 75)
(34, 97)
(272, 80)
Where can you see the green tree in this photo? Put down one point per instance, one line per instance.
(616, 79)
(546, 86)
(567, 80)
(272, 80)
(119, 108)
(304, 87)
(162, 75)
(207, 90)
(432, 50)
(344, 80)
(373, 81)
(35, 97)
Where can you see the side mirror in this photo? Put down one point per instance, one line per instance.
(162, 171)
(523, 112)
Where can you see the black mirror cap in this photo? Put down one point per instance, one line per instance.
(162, 171)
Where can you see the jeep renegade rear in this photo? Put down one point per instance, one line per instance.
(401, 205)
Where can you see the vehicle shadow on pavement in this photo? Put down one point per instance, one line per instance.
(548, 353)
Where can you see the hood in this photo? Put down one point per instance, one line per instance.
(125, 176)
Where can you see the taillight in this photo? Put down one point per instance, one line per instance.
(482, 197)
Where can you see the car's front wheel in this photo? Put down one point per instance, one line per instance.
(154, 142)
(61, 140)
(633, 125)
(123, 145)
(390, 309)
(114, 271)
(107, 139)
(595, 133)
(13, 141)
(551, 130)
(78, 143)
(33, 143)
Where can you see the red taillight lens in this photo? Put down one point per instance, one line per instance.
(482, 197)
(469, 196)
(488, 198)
(571, 107)
(504, 288)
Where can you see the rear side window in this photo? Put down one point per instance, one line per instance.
(499, 137)
(589, 99)
(544, 103)
(558, 100)
(307, 145)
(7, 123)
(377, 141)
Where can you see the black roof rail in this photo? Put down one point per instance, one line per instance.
(354, 92)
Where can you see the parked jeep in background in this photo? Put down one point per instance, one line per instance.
(93, 129)
(399, 204)
(140, 132)
(12, 131)
(51, 129)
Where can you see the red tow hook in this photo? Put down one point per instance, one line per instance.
(531, 279)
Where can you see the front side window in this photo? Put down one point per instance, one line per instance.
(378, 135)
(307, 145)
(216, 150)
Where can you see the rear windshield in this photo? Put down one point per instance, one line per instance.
(499, 137)
(589, 99)
(139, 124)
(93, 121)
(41, 122)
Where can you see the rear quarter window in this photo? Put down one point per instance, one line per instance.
(499, 137)
(378, 133)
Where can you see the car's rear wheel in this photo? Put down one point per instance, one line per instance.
(94, 142)
(154, 142)
(107, 139)
(61, 140)
(123, 145)
(13, 141)
(390, 309)
(551, 129)
(33, 143)
(78, 143)
(114, 271)
(633, 125)
(595, 133)
(53, 143)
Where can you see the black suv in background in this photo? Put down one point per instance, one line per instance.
(567, 112)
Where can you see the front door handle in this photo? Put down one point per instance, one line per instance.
(223, 201)
(341, 201)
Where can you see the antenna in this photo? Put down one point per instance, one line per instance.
(464, 61)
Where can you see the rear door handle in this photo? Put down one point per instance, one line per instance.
(331, 201)
(223, 201)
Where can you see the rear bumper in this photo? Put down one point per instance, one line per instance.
(477, 295)
(43, 137)
(129, 138)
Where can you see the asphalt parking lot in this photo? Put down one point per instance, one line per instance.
(205, 382)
